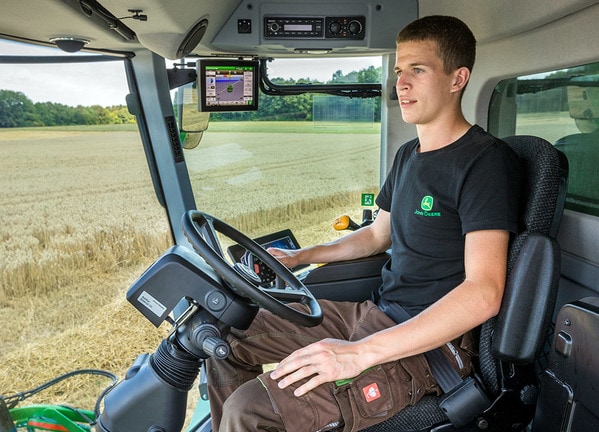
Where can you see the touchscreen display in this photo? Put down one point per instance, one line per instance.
(227, 85)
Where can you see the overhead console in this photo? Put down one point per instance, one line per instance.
(337, 27)
(289, 28)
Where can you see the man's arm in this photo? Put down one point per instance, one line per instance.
(471, 303)
(370, 240)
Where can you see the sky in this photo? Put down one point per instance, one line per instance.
(105, 84)
(69, 84)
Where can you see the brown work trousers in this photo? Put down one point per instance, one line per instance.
(243, 398)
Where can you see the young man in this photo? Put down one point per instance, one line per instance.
(446, 210)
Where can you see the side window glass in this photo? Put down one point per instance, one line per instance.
(80, 222)
(563, 107)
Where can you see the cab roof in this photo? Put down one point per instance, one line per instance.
(174, 29)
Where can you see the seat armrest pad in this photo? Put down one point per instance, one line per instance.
(528, 301)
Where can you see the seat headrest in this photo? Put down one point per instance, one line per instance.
(544, 181)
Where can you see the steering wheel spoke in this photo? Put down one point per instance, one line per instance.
(198, 226)
(288, 295)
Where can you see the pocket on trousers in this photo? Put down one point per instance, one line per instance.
(374, 396)
(371, 393)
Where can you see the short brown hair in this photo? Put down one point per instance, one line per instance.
(455, 41)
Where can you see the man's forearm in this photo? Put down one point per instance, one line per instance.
(358, 244)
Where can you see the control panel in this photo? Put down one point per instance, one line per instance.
(345, 27)
(275, 28)
(328, 27)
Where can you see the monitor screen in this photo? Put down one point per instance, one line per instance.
(228, 85)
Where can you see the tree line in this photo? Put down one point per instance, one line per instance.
(17, 110)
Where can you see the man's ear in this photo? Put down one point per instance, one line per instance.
(460, 79)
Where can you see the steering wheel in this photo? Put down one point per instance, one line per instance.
(245, 282)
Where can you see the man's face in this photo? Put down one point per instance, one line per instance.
(425, 91)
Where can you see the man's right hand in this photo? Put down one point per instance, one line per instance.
(289, 257)
(370, 240)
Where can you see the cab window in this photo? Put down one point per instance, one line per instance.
(561, 106)
(80, 221)
(298, 162)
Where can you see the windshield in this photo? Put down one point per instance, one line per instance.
(81, 220)
(299, 161)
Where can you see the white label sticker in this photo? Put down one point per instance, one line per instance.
(151, 303)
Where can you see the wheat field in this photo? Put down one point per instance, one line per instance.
(80, 222)
(68, 253)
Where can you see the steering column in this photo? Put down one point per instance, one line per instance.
(153, 395)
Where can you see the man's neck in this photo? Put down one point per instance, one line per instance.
(441, 133)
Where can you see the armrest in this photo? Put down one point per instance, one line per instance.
(352, 280)
(344, 270)
(528, 301)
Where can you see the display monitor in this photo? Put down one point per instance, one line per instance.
(227, 85)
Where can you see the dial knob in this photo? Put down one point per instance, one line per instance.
(355, 27)
(216, 348)
(335, 27)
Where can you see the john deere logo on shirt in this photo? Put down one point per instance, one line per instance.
(427, 205)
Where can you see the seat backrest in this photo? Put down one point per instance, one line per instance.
(517, 334)
(544, 176)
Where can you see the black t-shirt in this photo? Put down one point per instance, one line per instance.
(434, 199)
